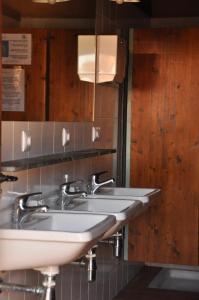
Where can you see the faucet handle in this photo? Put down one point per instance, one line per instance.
(97, 175)
(7, 178)
(67, 185)
(22, 199)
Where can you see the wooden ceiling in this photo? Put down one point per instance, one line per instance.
(174, 8)
(70, 9)
(87, 9)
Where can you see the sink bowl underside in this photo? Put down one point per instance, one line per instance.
(50, 240)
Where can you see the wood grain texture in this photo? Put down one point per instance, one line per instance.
(35, 79)
(70, 98)
(165, 144)
(0, 78)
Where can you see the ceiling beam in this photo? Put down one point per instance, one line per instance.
(146, 7)
(10, 12)
(131, 11)
(144, 22)
(174, 22)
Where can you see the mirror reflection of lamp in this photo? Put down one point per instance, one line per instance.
(56, 1)
(49, 1)
(125, 1)
(101, 58)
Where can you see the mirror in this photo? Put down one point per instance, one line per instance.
(40, 81)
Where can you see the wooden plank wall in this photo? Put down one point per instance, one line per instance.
(0, 81)
(165, 144)
(70, 99)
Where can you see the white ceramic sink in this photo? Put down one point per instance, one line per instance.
(142, 194)
(122, 210)
(50, 239)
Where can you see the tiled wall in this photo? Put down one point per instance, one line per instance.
(46, 139)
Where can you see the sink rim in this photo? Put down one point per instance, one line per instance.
(145, 199)
(153, 190)
(122, 215)
(59, 236)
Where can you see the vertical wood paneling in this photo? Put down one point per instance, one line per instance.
(0, 75)
(70, 98)
(164, 144)
(35, 79)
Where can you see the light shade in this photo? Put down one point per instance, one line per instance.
(125, 1)
(97, 57)
(49, 1)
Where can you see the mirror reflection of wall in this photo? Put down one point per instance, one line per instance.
(47, 88)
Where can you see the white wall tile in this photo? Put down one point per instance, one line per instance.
(71, 145)
(58, 148)
(34, 180)
(84, 285)
(66, 277)
(31, 279)
(18, 128)
(47, 179)
(107, 133)
(83, 169)
(17, 277)
(79, 136)
(21, 185)
(88, 144)
(5, 295)
(83, 136)
(35, 130)
(60, 170)
(47, 137)
(7, 141)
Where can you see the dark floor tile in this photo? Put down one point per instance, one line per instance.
(137, 289)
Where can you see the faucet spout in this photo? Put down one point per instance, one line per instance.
(95, 184)
(21, 209)
(67, 196)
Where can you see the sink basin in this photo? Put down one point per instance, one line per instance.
(50, 239)
(122, 210)
(142, 194)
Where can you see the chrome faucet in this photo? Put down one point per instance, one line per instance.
(67, 195)
(7, 178)
(95, 184)
(21, 209)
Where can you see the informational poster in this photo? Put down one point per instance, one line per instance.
(13, 89)
(16, 49)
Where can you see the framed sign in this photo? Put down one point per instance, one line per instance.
(16, 49)
(13, 89)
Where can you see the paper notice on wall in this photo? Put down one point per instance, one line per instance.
(16, 49)
(13, 89)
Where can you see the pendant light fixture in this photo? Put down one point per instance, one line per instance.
(49, 1)
(126, 1)
(56, 1)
